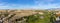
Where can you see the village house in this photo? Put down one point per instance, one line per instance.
(58, 16)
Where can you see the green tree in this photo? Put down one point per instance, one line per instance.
(37, 19)
(53, 17)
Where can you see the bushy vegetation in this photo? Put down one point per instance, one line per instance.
(47, 17)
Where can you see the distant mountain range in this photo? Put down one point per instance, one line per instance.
(54, 9)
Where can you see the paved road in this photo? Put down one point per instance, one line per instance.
(57, 21)
(1, 22)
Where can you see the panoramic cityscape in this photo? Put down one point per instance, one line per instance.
(29, 11)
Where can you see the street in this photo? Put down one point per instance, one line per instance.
(57, 21)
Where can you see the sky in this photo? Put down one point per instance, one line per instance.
(29, 4)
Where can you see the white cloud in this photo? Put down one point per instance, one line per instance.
(39, 4)
(14, 6)
(44, 4)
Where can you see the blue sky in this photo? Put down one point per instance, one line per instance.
(29, 4)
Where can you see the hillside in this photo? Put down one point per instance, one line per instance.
(31, 16)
